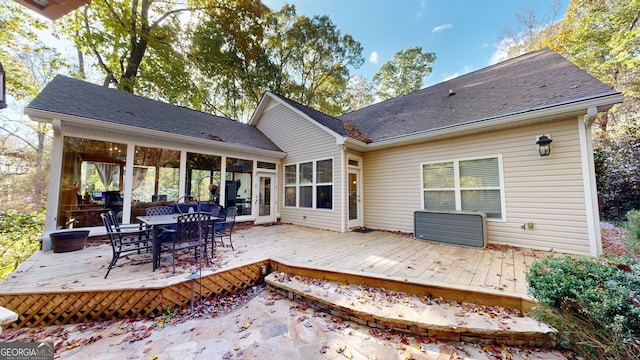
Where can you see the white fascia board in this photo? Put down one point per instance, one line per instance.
(45, 116)
(260, 108)
(545, 114)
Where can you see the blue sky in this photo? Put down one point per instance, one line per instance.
(464, 34)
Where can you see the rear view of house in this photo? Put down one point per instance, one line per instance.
(471, 144)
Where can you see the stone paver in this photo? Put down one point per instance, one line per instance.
(267, 326)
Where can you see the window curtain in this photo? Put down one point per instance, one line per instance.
(107, 171)
(139, 173)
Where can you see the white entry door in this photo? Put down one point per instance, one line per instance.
(266, 197)
(355, 204)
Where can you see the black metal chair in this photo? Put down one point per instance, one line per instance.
(124, 243)
(224, 229)
(191, 232)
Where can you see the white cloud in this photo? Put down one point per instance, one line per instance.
(501, 52)
(373, 57)
(440, 28)
(423, 5)
(465, 70)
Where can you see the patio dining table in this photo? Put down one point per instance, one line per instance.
(155, 222)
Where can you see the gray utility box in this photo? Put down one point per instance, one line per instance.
(451, 227)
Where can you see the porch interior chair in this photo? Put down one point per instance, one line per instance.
(159, 210)
(124, 243)
(215, 211)
(224, 229)
(190, 232)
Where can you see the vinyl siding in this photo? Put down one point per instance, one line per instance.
(547, 191)
(303, 141)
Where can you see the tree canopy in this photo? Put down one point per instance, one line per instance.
(603, 37)
(404, 73)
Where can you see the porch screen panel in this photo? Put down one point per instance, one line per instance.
(91, 181)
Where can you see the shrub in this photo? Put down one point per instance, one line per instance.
(633, 226)
(592, 304)
(19, 238)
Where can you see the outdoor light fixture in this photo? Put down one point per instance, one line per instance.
(544, 145)
(3, 99)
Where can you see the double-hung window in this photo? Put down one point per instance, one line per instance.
(309, 184)
(465, 185)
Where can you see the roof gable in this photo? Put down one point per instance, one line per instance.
(64, 95)
(538, 80)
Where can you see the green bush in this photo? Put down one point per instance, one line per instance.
(633, 226)
(19, 238)
(592, 304)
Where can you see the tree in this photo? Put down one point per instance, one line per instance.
(143, 46)
(404, 73)
(530, 32)
(310, 59)
(233, 67)
(29, 65)
(603, 37)
(359, 93)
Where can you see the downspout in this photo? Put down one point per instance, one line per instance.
(589, 180)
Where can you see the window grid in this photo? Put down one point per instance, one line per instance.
(302, 188)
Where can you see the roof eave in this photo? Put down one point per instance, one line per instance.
(602, 103)
(47, 116)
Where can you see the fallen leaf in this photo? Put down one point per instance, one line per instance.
(506, 354)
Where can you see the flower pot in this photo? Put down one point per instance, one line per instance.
(64, 241)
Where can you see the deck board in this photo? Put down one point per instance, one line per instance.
(376, 253)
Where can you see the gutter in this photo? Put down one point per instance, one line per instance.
(46, 116)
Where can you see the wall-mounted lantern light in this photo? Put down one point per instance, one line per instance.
(544, 145)
(3, 98)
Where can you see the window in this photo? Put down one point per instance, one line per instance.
(464, 185)
(309, 184)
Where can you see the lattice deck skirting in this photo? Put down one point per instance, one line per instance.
(45, 309)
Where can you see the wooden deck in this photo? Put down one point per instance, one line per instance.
(396, 262)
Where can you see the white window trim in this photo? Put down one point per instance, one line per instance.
(458, 190)
(313, 185)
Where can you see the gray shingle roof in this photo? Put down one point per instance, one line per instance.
(69, 96)
(537, 80)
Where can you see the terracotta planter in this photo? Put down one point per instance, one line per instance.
(64, 241)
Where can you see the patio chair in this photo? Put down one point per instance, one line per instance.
(215, 211)
(159, 210)
(223, 229)
(124, 243)
(191, 232)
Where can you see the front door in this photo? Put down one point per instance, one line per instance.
(355, 209)
(265, 199)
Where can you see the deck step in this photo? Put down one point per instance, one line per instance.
(418, 315)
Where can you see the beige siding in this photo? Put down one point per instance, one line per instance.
(303, 141)
(547, 191)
